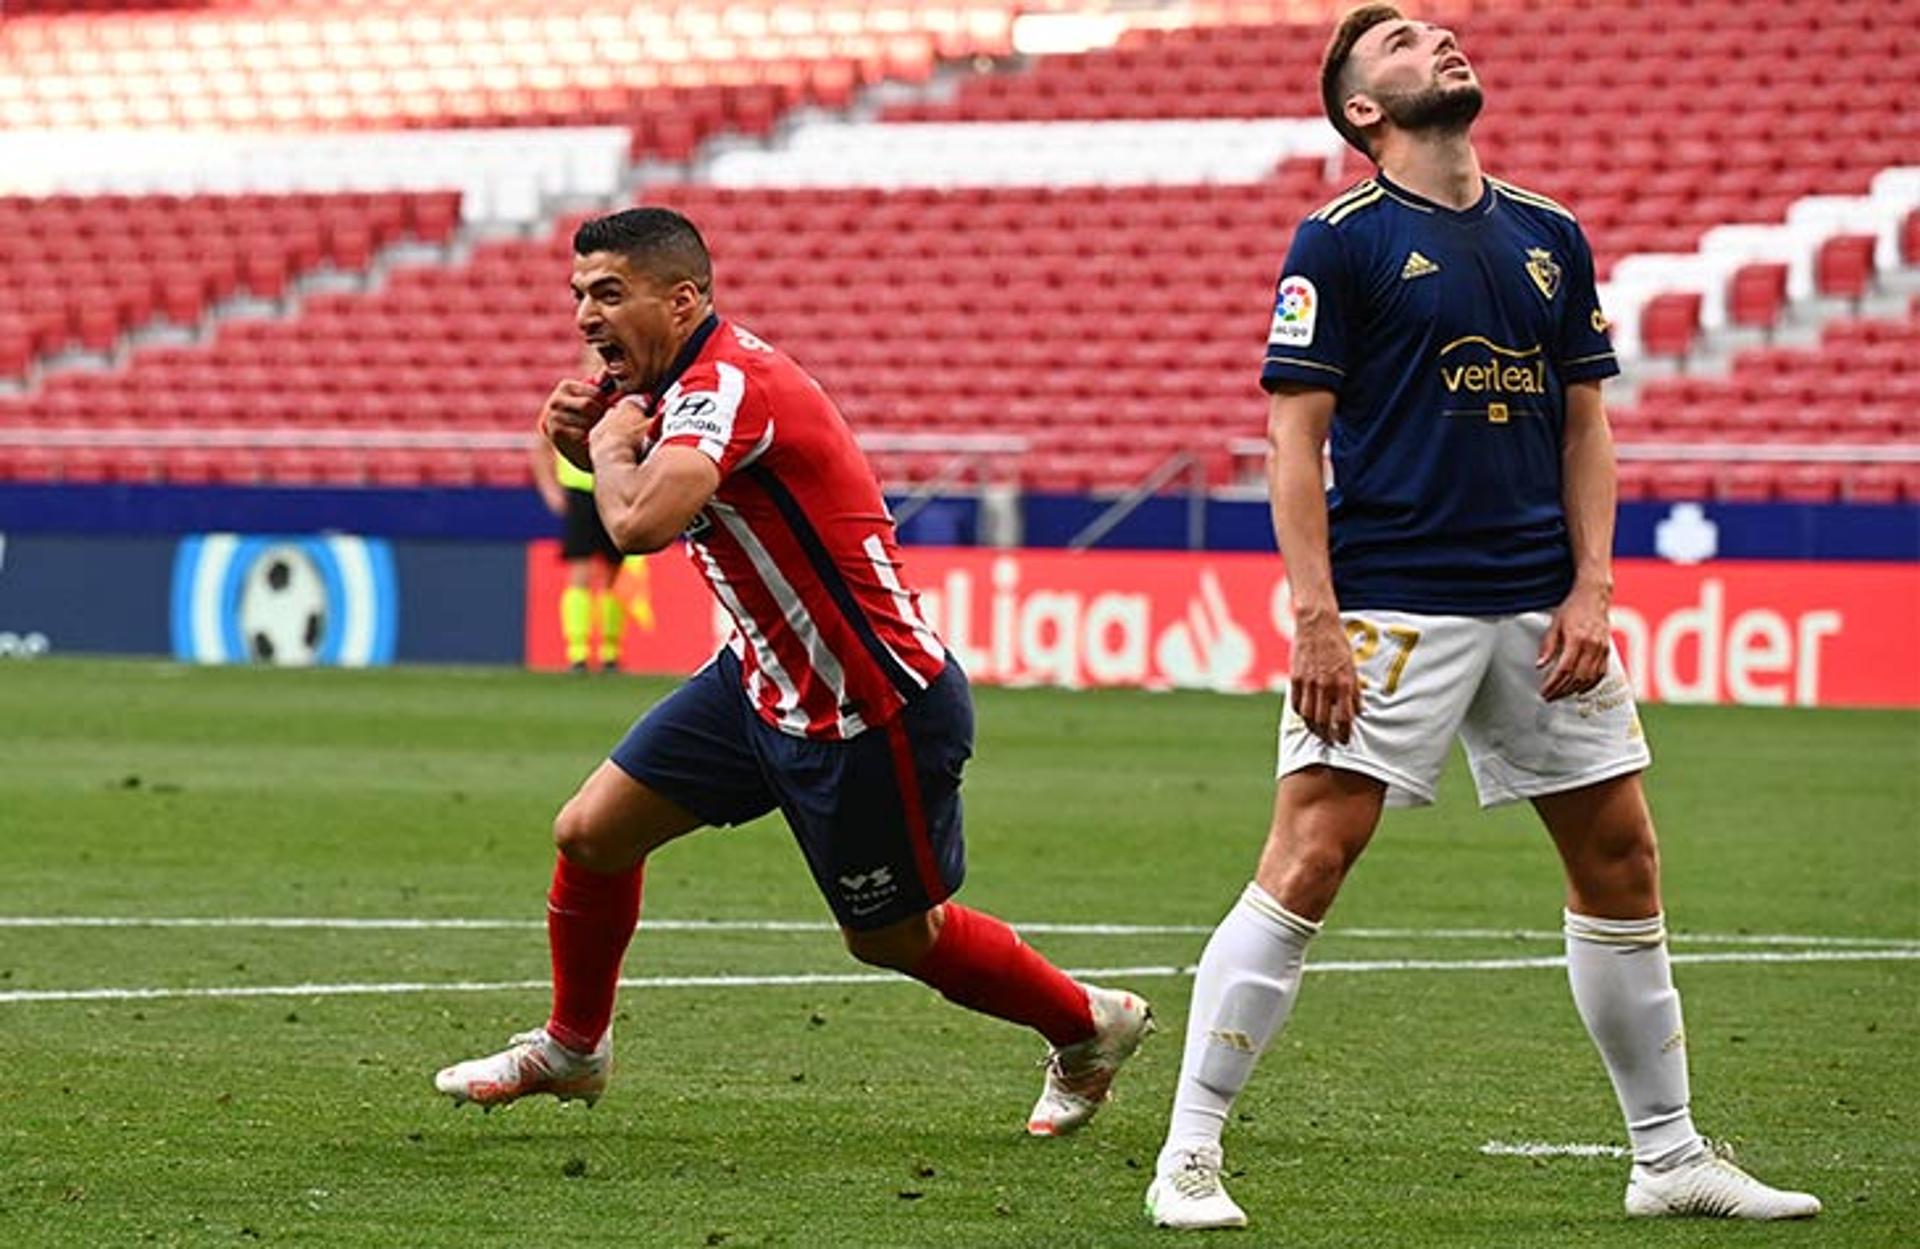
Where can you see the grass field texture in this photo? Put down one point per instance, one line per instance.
(214, 1084)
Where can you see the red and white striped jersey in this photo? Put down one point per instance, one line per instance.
(797, 542)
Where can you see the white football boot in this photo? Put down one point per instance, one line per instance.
(1709, 1186)
(1080, 1076)
(533, 1062)
(1188, 1195)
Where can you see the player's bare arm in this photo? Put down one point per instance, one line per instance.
(546, 479)
(1574, 653)
(1324, 689)
(646, 500)
(569, 416)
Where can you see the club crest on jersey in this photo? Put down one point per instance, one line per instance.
(1295, 308)
(1544, 271)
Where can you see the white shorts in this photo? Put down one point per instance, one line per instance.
(1426, 678)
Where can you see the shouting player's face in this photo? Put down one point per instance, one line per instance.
(1418, 76)
(634, 321)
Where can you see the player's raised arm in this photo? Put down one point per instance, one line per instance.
(1324, 689)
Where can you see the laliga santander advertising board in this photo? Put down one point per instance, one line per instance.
(1779, 634)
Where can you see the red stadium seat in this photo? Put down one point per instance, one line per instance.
(1756, 295)
(1669, 323)
(1872, 483)
(264, 274)
(1679, 481)
(16, 353)
(1844, 266)
(434, 217)
(1809, 483)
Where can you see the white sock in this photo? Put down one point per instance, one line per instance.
(1623, 988)
(1242, 993)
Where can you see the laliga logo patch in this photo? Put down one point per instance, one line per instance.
(1294, 310)
(291, 602)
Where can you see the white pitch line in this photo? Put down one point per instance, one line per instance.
(854, 978)
(1541, 1149)
(403, 924)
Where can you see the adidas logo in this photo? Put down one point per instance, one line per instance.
(1231, 1038)
(1417, 266)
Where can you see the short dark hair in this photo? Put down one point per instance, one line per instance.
(657, 241)
(1333, 68)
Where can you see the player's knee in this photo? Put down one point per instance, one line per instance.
(1618, 868)
(1630, 850)
(579, 839)
(1305, 873)
(898, 947)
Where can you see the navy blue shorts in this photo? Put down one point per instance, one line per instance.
(878, 817)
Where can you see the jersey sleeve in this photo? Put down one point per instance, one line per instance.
(711, 410)
(1307, 340)
(1586, 349)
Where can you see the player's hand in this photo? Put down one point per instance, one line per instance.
(625, 425)
(555, 498)
(1323, 688)
(1578, 644)
(570, 414)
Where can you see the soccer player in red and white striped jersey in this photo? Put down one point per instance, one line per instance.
(834, 701)
(795, 540)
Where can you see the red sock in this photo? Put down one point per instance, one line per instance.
(590, 919)
(980, 963)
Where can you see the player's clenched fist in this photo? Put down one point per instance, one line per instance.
(570, 414)
(625, 426)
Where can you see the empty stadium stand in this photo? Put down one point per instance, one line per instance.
(1857, 390)
(79, 271)
(674, 75)
(1653, 121)
(1035, 254)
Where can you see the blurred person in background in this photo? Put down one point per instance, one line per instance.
(603, 585)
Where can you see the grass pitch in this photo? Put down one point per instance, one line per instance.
(216, 1085)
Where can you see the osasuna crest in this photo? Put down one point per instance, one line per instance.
(1544, 271)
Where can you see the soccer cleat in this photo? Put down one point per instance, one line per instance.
(1080, 1076)
(1709, 1186)
(1189, 1196)
(532, 1063)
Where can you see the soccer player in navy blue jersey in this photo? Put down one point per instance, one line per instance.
(1439, 330)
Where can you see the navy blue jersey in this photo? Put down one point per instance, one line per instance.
(1449, 338)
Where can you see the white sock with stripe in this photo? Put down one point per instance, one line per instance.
(1243, 991)
(1623, 987)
